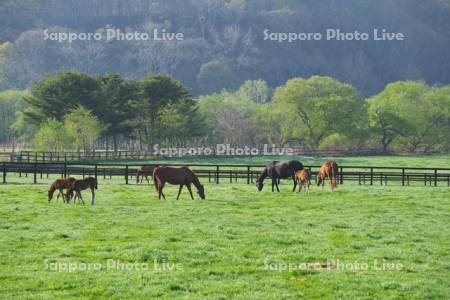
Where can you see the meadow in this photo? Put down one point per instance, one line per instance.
(420, 161)
(377, 242)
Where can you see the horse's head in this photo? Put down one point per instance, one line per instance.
(259, 185)
(201, 191)
(319, 179)
(50, 195)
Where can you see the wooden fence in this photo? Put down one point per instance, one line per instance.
(364, 175)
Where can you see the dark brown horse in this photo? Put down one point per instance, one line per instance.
(144, 171)
(178, 176)
(60, 185)
(303, 178)
(279, 170)
(329, 169)
(81, 185)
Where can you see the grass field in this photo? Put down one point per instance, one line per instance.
(431, 161)
(237, 244)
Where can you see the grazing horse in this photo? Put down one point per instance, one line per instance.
(329, 169)
(303, 178)
(81, 185)
(144, 171)
(181, 176)
(60, 185)
(279, 170)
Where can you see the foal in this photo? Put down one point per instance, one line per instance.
(144, 171)
(329, 169)
(81, 185)
(181, 176)
(303, 178)
(60, 185)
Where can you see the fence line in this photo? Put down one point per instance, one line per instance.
(220, 173)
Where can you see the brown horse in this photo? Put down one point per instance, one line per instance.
(329, 169)
(144, 171)
(181, 176)
(303, 178)
(60, 185)
(81, 185)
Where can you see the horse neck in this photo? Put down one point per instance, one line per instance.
(263, 175)
(52, 189)
(196, 182)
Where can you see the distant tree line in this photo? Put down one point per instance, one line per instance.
(224, 42)
(77, 111)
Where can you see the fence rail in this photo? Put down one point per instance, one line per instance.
(364, 175)
(33, 156)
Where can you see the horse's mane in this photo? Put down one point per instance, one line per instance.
(263, 175)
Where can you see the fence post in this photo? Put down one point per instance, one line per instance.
(435, 177)
(371, 176)
(403, 176)
(248, 174)
(65, 169)
(4, 172)
(217, 174)
(342, 176)
(35, 173)
(126, 174)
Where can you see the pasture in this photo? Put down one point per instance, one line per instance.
(236, 244)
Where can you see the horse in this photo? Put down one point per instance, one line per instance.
(279, 170)
(144, 171)
(329, 169)
(81, 185)
(182, 176)
(60, 185)
(303, 178)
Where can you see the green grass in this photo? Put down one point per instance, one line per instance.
(223, 245)
(431, 161)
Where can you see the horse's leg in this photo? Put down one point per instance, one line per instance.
(146, 178)
(273, 185)
(190, 191)
(179, 191)
(93, 196)
(81, 197)
(295, 183)
(276, 184)
(161, 186)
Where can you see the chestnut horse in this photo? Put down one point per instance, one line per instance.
(144, 171)
(279, 170)
(181, 176)
(60, 185)
(303, 178)
(329, 169)
(81, 185)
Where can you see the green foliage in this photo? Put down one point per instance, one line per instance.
(82, 128)
(311, 109)
(214, 76)
(11, 104)
(51, 136)
(411, 116)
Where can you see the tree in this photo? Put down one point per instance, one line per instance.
(55, 96)
(11, 103)
(311, 109)
(255, 90)
(51, 136)
(82, 128)
(408, 115)
(214, 76)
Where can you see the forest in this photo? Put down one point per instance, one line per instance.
(224, 41)
(224, 82)
(78, 111)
